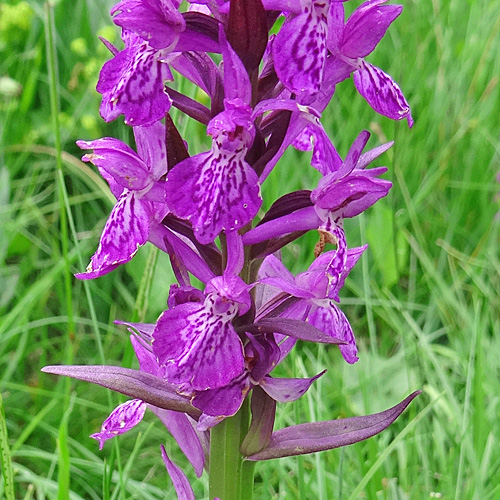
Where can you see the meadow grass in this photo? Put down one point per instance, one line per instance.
(424, 300)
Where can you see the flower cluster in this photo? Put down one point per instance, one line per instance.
(213, 348)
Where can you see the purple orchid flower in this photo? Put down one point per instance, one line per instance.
(194, 341)
(155, 33)
(351, 42)
(345, 191)
(316, 28)
(132, 83)
(316, 288)
(218, 190)
(135, 180)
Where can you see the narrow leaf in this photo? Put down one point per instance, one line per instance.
(133, 383)
(320, 436)
(7, 473)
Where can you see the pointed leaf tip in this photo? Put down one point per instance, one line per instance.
(320, 436)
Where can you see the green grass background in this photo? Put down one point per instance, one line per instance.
(424, 301)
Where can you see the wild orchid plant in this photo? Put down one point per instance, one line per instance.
(205, 367)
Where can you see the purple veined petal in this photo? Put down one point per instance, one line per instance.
(303, 219)
(382, 93)
(294, 328)
(153, 390)
(179, 425)
(156, 21)
(123, 418)
(366, 27)
(215, 192)
(336, 18)
(132, 84)
(199, 349)
(330, 320)
(151, 148)
(179, 479)
(119, 161)
(236, 81)
(286, 390)
(320, 436)
(235, 255)
(299, 50)
(261, 427)
(366, 158)
(224, 401)
(126, 229)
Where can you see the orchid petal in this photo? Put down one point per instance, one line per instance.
(382, 93)
(224, 401)
(214, 192)
(185, 435)
(126, 229)
(295, 328)
(118, 160)
(330, 320)
(156, 21)
(150, 142)
(132, 83)
(179, 479)
(197, 347)
(286, 390)
(123, 418)
(366, 27)
(236, 81)
(299, 51)
(300, 220)
(366, 158)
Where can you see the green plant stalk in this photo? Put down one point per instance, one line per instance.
(5, 460)
(230, 477)
(62, 442)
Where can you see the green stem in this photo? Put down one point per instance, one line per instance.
(230, 477)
